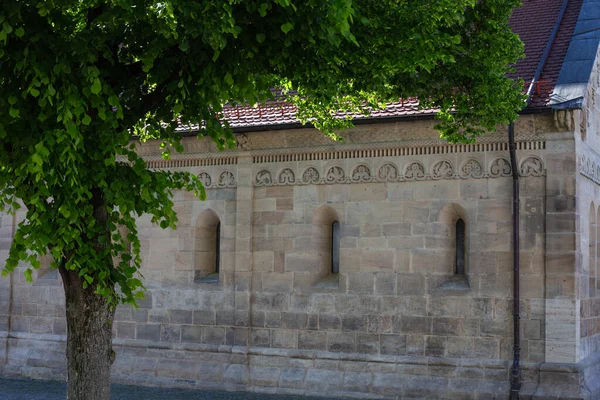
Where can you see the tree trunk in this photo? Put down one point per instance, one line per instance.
(89, 340)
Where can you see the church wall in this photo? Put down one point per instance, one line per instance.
(395, 320)
(588, 150)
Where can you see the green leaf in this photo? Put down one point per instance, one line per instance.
(287, 27)
(229, 79)
(86, 120)
(64, 211)
(96, 86)
(260, 37)
(20, 31)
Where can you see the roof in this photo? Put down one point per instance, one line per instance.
(578, 63)
(534, 22)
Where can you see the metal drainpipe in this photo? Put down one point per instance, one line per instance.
(516, 367)
(11, 295)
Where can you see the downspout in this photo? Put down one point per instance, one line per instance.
(11, 295)
(516, 367)
(515, 372)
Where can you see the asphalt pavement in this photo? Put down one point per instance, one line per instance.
(17, 389)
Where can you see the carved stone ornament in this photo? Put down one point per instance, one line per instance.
(226, 179)
(335, 174)
(471, 169)
(242, 141)
(415, 171)
(205, 179)
(500, 167)
(388, 172)
(590, 169)
(263, 178)
(287, 177)
(311, 175)
(442, 170)
(532, 166)
(362, 173)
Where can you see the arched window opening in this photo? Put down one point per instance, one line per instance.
(460, 247)
(335, 247)
(594, 272)
(218, 248)
(452, 232)
(592, 248)
(207, 255)
(46, 273)
(325, 244)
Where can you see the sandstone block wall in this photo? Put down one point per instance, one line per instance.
(588, 191)
(395, 321)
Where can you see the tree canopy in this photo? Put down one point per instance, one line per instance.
(79, 78)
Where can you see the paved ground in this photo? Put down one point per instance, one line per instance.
(14, 389)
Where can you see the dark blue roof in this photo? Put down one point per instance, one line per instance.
(578, 64)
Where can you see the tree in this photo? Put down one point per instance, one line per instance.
(78, 78)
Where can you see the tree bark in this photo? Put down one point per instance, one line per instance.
(89, 340)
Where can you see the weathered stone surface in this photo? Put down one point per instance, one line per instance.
(385, 325)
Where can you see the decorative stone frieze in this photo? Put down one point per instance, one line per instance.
(205, 179)
(361, 173)
(443, 169)
(388, 172)
(500, 167)
(310, 175)
(590, 169)
(335, 174)
(532, 166)
(227, 179)
(287, 177)
(415, 171)
(263, 178)
(471, 169)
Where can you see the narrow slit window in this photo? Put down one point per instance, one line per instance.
(335, 247)
(207, 258)
(218, 248)
(460, 247)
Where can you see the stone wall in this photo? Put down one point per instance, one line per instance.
(588, 189)
(396, 320)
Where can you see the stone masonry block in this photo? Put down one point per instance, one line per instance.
(294, 320)
(416, 325)
(264, 376)
(148, 332)
(329, 322)
(284, 339)
(191, 334)
(393, 344)
(260, 337)
(367, 343)
(323, 380)
(180, 316)
(435, 346)
(292, 378)
(351, 323)
(213, 335)
(341, 342)
(312, 340)
(376, 260)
